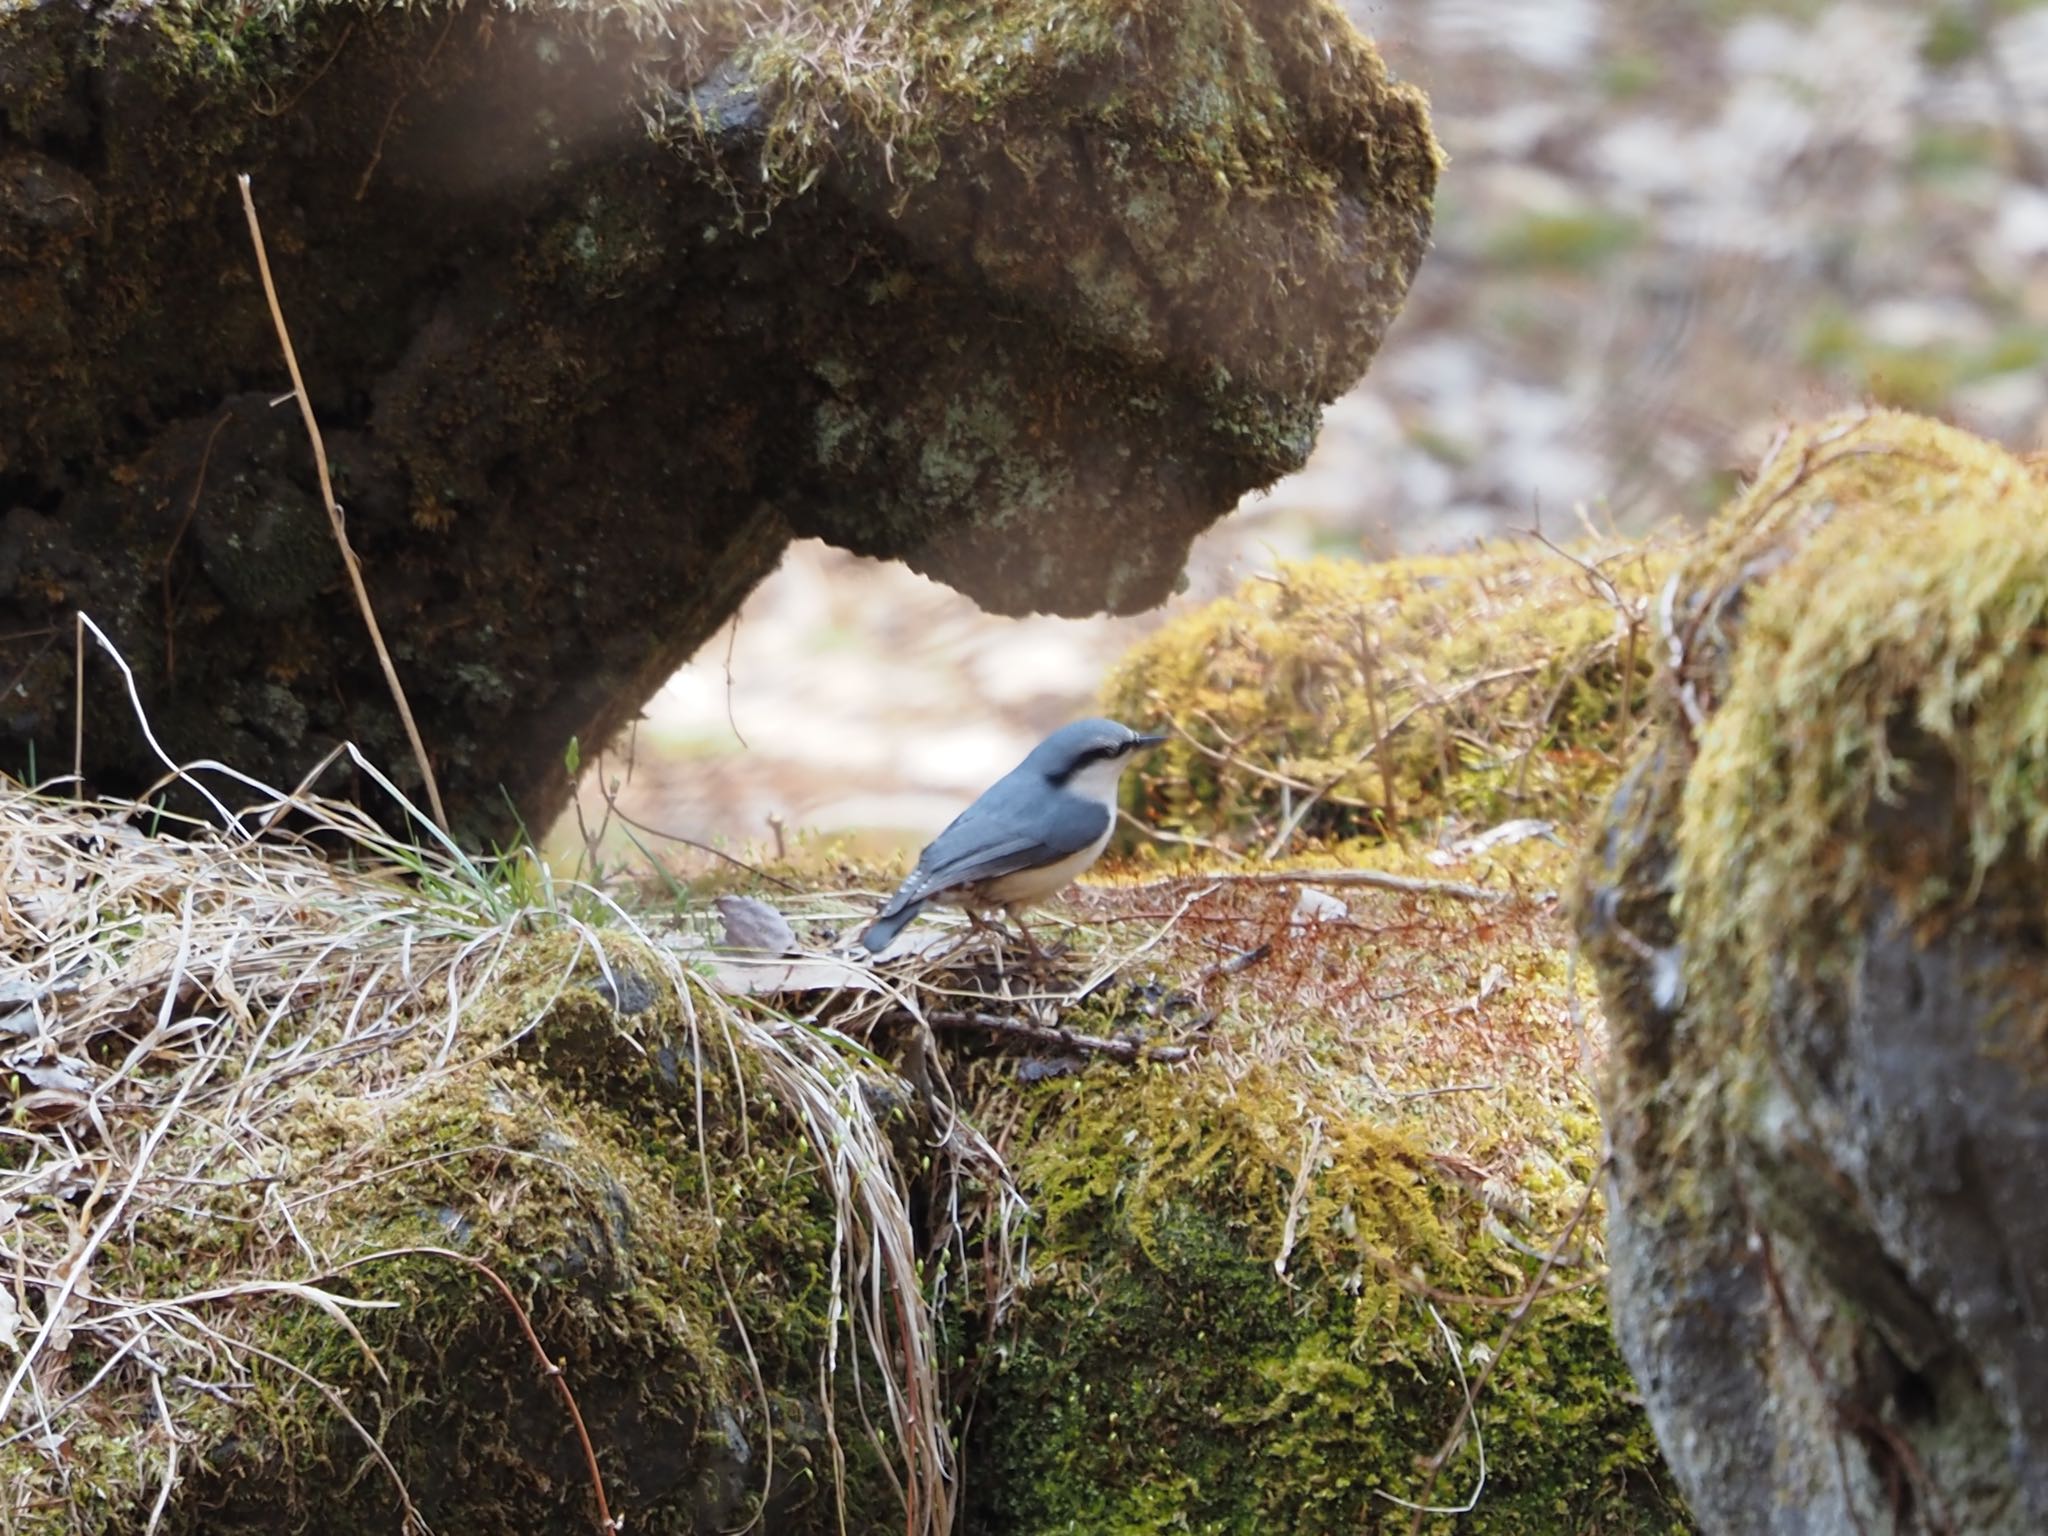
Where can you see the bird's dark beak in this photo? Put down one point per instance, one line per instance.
(1149, 741)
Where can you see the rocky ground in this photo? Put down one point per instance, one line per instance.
(1664, 228)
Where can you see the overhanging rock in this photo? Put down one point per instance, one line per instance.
(601, 305)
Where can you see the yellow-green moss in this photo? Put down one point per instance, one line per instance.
(1891, 579)
(1165, 1377)
(1480, 686)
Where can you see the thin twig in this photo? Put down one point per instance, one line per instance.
(1054, 1034)
(1184, 839)
(391, 116)
(605, 1522)
(716, 853)
(1434, 1093)
(1243, 960)
(1376, 878)
(1479, 1441)
(334, 518)
(732, 636)
(1516, 1319)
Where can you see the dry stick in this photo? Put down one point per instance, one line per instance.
(612, 809)
(1053, 1034)
(1185, 840)
(604, 1510)
(334, 519)
(1378, 879)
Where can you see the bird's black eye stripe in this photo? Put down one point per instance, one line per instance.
(1093, 755)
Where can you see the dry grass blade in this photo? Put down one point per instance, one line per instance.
(334, 517)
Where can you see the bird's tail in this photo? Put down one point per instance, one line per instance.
(881, 933)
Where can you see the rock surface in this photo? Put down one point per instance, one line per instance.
(600, 305)
(1815, 908)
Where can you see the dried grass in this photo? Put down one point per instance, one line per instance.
(172, 992)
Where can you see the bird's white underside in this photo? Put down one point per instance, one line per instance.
(1029, 885)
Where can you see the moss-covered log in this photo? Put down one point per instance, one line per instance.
(1816, 909)
(600, 304)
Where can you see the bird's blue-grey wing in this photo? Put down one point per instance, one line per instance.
(984, 843)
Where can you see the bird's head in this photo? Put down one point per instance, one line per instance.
(1089, 756)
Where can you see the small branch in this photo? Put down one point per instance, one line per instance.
(1185, 840)
(606, 1523)
(1243, 960)
(691, 842)
(390, 117)
(1053, 1034)
(1432, 1093)
(1378, 879)
(334, 518)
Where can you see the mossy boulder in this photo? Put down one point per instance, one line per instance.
(1263, 1291)
(1264, 1281)
(601, 304)
(661, 1220)
(1815, 908)
(1333, 700)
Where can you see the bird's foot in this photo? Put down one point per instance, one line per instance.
(1042, 956)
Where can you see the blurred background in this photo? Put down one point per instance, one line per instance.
(1666, 225)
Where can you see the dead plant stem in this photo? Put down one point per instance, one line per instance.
(605, 1522)
(334, 517)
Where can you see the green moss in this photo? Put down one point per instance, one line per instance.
(1895, 637)
(1165, 1377)
(575, 1166)
(1942, 151)
(1480, 686)
(1909, 378)
(1628, 76)
(1953, 36)
(1913, 378)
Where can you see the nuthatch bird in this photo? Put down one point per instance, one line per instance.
(1029, 834)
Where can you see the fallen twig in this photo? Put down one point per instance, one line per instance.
(1377, 878)
(605, 1522)
(1054, 1034)
(1477, 1387)
(1243, 960)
